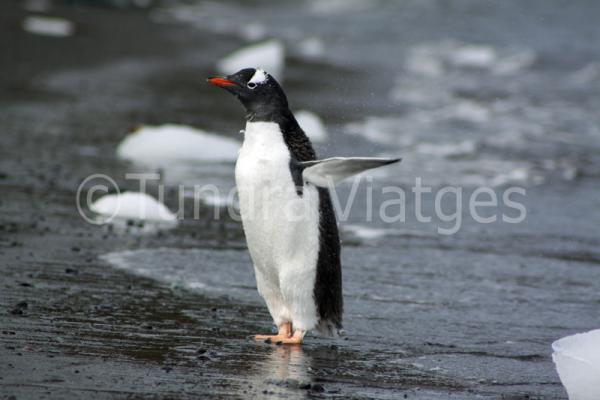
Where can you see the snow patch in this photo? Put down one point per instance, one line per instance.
(269, 55)
(577, 359)
(165, 144)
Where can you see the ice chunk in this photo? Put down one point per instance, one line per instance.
(577, 359)
(311, 47)
(165, 144)
(312, 125)
(132, 205)
(48, 26)
(269, 55)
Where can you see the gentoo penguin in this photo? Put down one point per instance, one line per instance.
(286, 210)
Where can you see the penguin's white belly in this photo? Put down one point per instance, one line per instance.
(281, 227)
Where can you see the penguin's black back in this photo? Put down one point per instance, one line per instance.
(328, 282)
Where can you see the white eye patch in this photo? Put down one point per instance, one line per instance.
(259, 77)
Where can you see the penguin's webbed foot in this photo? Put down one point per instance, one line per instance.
(285, 331)
(296, 338)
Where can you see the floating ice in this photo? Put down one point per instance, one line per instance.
(311, 47)
(132, 205)
(48, 26)
(312, 125)
(577, 359)
(269, 55)
(165, 144)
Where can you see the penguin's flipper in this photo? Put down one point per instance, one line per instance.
(333, 170)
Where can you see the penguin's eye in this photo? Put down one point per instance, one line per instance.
(251, 85)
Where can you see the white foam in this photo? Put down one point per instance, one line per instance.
(438, 59)
(328, 7)
(48, 26)
(165, 144)
(474, 56)
(370, 233)
(132, 205)
(448, 149)
(577, 359)
(270, 55)
(312, 125)
(214, 272)
(514, 62)
(590, 73)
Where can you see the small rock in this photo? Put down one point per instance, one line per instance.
(317, 388)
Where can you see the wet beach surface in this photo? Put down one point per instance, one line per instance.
(89, 311)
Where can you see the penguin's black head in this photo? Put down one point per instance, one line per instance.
(258, 91)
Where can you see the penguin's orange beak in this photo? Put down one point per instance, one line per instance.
(221, 82)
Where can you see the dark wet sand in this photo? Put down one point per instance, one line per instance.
(73, 327)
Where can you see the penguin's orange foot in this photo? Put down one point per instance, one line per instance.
(270, 338)
(296, 338)
(285, 331)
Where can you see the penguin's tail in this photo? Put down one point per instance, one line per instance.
(333, 170)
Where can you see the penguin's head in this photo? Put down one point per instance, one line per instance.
(258, 91)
